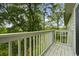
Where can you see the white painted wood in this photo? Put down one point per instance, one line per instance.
(39, 45)
(10, 48)
(66, 50)
(60, 49)
(66, 37)
(47, 40)
(25, 47)
(60, 36)
(44, 41)
(36, 45)
(49, 51)
(30, 45)
(54, 50)
(50, 37)
(33, 45)
(19, 47)
(72, 26)
(13, 36)
(55, 36)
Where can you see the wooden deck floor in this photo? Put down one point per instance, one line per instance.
(60, 49)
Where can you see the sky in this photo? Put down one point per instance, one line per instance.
(49, 13)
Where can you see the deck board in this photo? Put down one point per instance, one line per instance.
(60, 49)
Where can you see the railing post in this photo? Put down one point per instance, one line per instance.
(48, 38)
(45, 40)
(60, 36)
(19, 47)
(9, 48)
(36, 44)
(33, 45)
(42, 42)
(30, 45)
(68, 37)
(55, 36)
(39, 45)
(65, 37)
(25, 47)
(52, 37)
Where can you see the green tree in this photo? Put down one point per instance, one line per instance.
(22, 19)
(57, 13)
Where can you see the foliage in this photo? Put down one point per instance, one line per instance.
(3, 30)
(34, 17)
(22, 18)
(57, 14)
(25, 17)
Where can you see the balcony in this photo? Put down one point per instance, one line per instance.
(38, 43)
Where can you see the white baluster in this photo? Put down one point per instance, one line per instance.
(25, 46)
(10, 48)
(41, 43)
(55, 36)
(33, 45)
(65, 38)
(30, 45)
(36, 45)
(60, 36)
(39, 46)
(19, 47)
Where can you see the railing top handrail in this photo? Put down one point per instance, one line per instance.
(18, 36)
(62, 30)
(43, 31)
(33, 32)
(15, 36)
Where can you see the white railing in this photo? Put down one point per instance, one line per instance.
(26, 43)
(61, 36)
(31, 43)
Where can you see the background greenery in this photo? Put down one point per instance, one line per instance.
(28, 17)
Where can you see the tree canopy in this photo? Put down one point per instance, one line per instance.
(22, 18)
(29, 17)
